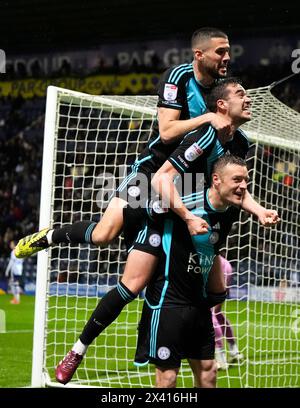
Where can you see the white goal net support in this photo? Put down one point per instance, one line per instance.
(87, 137)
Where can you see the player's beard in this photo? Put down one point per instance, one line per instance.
(215, 74)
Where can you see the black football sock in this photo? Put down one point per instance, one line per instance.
(107, 310)
(78, 233)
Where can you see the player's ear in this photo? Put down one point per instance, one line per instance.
(197, 53)
(215, 179)
(222, 105)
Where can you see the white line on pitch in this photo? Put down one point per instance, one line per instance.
(274, 360)
(120, 377)
(17, 331)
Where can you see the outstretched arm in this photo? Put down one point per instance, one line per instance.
(267, 217)
(172, 128)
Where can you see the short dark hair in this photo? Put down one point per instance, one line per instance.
(206, 33)
(228, 159)
(220, 91)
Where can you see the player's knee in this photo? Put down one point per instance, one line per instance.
(135, 284)
(109, 226)
(103, 236)
(211, 375)
(166, 378)
(208, 374)
(214, 298)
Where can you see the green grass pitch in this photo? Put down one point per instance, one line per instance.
(271, 332)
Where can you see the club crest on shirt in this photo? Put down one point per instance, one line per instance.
(214, 237)
(193, 152)
(170, 92)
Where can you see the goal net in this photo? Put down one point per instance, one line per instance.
(89, 143)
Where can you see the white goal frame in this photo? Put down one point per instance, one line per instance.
(255, 129)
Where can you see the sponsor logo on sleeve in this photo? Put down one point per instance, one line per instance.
(183, 161)
(170, 92)
(193, 152)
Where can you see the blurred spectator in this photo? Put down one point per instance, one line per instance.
(13, 273)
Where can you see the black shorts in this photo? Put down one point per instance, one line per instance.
(136, 189)
(168, 335)
(142, 233)
(148, 239)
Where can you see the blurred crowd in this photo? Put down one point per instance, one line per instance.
(21, 150)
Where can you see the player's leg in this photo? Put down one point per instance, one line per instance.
(161, 340)
(111, 223)
(108, 228)
(220, 354)
(159, 343)
(227, 329)
(101, 233)
(138, 270)
(165, 377)
(227, 332)
(205, 373)
(218, 332)
(216, 283)
(200, 347)
(15, 288)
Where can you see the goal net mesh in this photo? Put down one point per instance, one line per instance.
(95, 137)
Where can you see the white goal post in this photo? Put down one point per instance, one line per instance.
(90, 138)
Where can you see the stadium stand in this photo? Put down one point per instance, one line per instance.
(21, 143)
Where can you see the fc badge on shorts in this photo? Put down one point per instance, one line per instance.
(163, 353)
(155, 240)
